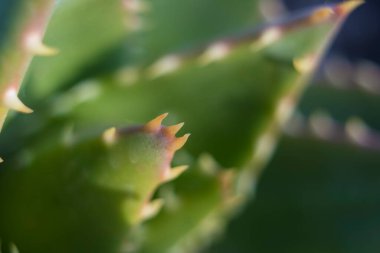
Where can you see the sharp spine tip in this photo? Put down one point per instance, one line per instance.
(173, 130)
(164, 66)
(109, 136)
(175, 172)
(152, 208)
(267, 37)
(35, 46)
(321, 15)
(305, 64)
(215, 52)
(155, 124)
(347, 7)
(11, 101)
(179, 142)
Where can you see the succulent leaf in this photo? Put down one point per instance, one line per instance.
(240, 93)
(88, 196)
(23, 33)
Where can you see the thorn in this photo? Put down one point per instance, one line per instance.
(264, 147)
(215, 52)
(109, 136)
(12, 101)
(151, 209)
(164, 66)
(347, 7)
(305, 64)
(322, 14)
(284, 109)
(155, 124)
(179, 142)
(267, 37)
(173, 173)
(357, 131)
(1, 160)
(35, 46)
(173, 130)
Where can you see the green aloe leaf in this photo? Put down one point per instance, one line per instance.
(236, 97)
(90, 194)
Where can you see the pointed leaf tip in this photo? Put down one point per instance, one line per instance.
(345, 8)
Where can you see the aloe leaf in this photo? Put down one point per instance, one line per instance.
(88, 195)
(22, 34)
(85, 32)
(241, 93)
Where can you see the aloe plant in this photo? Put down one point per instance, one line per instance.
(85, 173)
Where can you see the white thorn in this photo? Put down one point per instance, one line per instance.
(305, 65)
(34, 45)
(164, 66)
(12, 101)
(215, 52)
(322, 125)
(264, 147)
(357, 130)
(284, 110)
(267, 37)
(151, 209)
(109, 136)
(174, 173)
